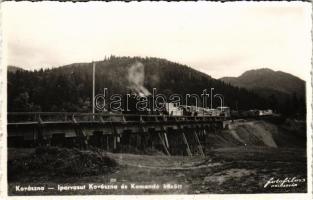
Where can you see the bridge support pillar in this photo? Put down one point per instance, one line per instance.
(198, 143)
(163, 144)
(187, 145)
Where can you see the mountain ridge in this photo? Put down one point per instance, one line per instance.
(13, 69)
(265, 78)
(69, 87)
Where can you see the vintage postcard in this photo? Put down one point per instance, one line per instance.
(179, 99)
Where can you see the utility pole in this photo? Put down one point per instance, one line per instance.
(212, 97)
(93, 87)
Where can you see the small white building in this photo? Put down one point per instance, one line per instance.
(212, 112)
(265, 112)
(173, 109)
(225, 111)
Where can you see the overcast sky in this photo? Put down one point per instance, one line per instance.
(220, 39)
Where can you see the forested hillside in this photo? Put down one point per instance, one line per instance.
(279, 87)
(69, 88)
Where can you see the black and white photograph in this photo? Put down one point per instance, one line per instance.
(157, 98)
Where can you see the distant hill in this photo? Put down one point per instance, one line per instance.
(69, 88)
(13, 69)
(268, 79)
(281, 86)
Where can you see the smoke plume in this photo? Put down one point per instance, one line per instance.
(136, 78)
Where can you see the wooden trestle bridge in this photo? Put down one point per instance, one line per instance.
(174, 135)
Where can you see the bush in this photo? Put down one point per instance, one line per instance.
(62, 162)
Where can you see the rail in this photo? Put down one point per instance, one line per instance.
(20, 117)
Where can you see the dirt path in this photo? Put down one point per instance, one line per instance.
(227, 170)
